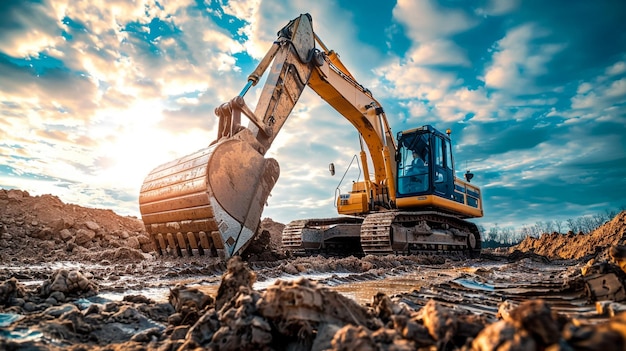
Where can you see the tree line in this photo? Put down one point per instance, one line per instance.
(498, 236)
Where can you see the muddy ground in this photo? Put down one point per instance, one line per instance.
(77, 278)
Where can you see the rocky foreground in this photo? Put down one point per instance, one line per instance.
(64, 313)
(533, 297)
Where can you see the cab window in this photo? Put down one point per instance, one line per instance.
(438, 152)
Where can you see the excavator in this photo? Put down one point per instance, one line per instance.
(210, 202)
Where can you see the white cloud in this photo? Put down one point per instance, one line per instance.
(617, 88)
(438, 52)
(430, 27)
(616, 69)
(411, 81)
(498, 7)
(598, 99)
(426, 21)
(518, 61)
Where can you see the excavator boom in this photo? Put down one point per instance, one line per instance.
(211, 201)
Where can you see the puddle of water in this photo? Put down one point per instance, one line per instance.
(161, 294)
(156, 294)
(7, 319)
(21, 334)
(473, 284)
(363, 292)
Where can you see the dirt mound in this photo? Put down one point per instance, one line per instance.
(578, 246)
(267, 244)
(44, 229)
(276, 232)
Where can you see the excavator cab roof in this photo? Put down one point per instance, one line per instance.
(425, 128)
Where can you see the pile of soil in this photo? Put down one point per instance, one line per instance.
(44, 229)
(295, 315)
(578, 246)
(267, 244)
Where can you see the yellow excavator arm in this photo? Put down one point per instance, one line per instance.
(211, 201)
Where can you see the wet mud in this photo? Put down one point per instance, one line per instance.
(64, 288)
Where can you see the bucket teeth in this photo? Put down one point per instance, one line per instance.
(209, 202)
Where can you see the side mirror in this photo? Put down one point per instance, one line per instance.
(469, 176)
(331, 169)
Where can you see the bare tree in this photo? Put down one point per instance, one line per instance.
(572, 223)
(599, 219)
(549, 227)
(493, 233)
(558, 224)
(525, 231)
(610, 214)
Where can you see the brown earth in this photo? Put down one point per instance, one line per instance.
(532, 300)
(578, 246)
(37, 229)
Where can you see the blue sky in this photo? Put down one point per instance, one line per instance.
(95, 94)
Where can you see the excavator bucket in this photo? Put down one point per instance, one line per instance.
(209, 202)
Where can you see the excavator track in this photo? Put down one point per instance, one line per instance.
(332, 236)
(292, 236)
(375, 239)
(397, 232)
(384, 233)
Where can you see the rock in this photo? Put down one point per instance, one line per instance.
(610, 335)
(529, 326)
(68, 282)
(411, 330)
(325, 334)
(30, 306)
(147, 335)
(84, 235)
(536, 317)
(147, 248)
(182, 296)
(180, 332)
(45, 233)
(237, 275)
(241, 327)
(77, 281)
(439, 320)
(59, 282)
(57, 311)
(202, 332)
(10, 289)
(138, 299)
(92, 225)
(351, 337)
(143, 239)
(65, 234)
(58, 295)
(62, 223)
(502, 335)
(295, 305)
(133, 243)
(290, 268)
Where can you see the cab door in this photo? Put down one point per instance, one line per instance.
(443, 167)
